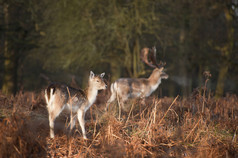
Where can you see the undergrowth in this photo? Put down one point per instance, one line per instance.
(198, 126)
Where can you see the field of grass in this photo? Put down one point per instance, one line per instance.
(198, 126)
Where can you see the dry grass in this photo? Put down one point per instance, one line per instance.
(167, 127)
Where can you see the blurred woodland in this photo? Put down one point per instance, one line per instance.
(62, 40)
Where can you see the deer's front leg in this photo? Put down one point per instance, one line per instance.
(143, 100)
(72, 121)
(81, 115)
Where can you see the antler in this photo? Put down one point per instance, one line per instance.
(153, 58)
(144, 57)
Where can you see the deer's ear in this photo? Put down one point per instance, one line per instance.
(91, 75)
(102, 74)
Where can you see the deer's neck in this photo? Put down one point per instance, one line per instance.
(91, 94)
(154, 79)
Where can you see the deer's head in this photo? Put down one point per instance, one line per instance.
(158, 68)
(97, 81)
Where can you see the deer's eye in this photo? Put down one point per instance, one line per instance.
(97, 80)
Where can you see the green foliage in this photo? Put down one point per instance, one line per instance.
(86, 34)
(63, 38)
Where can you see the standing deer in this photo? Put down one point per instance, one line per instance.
(60, 96)
(125, 88)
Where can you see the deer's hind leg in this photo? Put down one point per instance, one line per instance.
(54, 112)
(111, 99)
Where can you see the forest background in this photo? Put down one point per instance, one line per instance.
(62, 40)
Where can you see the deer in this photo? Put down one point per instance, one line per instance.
(127, 88)
(61, 97)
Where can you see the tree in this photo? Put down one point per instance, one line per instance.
(77, 36)
(18, 28)
(65, 39)
(226, 49)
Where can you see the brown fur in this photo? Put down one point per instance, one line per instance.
(60, 97)
(126, 88)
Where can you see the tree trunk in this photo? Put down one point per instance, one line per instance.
(136, 58)
(171, 89)
(10, 73)
(182, 71)
(221, 80)
(115, 70)
(128, 58)
(226, 52)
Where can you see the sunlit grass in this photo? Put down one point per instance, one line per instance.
(166, 127)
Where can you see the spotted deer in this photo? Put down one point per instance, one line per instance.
(125, 88)
(61, 97)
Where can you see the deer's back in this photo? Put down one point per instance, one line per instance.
(132, 87)
(63, 93)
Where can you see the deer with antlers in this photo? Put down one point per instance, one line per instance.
(125, 88)
(60, 96)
